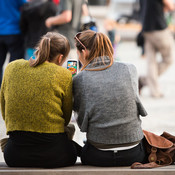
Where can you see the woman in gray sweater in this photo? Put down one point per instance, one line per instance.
(107, 104)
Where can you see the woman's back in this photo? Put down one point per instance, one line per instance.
(110, 104)
(34, 97)
(36, 104)
(106, 101)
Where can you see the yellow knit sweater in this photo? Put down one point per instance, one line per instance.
(37, 99)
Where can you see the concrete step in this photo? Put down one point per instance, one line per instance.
(79, 169)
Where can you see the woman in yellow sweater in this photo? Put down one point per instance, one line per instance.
(36, 104)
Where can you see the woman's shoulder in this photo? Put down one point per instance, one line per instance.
(79, 75)
(124, 64)
(65, 73)
(128, 66)
(17, 63)
(78, 79)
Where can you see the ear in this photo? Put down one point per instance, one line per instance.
(84, 52)
(60, 58)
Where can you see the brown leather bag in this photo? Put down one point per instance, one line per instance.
(160, 149)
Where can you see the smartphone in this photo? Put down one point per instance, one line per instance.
(72, 66)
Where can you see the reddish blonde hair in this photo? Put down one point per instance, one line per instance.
(98, 44)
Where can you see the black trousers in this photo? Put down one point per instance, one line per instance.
(14, 44)
(93, 156)
(39, 150)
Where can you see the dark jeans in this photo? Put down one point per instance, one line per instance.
(93, 156)
(14, 44)
(39, 150)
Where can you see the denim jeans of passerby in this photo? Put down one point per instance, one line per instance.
(93, 156)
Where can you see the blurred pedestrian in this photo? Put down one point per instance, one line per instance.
(140, 42)
(11, 39)
(32, 23)
(67, 21)
(107, 104)
(88, 22)
(110, 22)
(158, 38)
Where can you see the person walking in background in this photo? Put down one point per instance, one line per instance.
(67, 21)
(36, 104)
(32, 23)
(11, 39)
(158, 38)
(110, 22)
(107, 104)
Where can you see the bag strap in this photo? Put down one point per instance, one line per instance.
(138, 165)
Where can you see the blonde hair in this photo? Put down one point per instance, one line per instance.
(51, 45)
(98, 44)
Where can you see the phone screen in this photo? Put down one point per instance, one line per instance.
(72, 66)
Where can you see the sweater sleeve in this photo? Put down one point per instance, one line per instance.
(134, 80)
(76, 94)
(134, 77)
(79, 105)
(67, 102)
(3, 99)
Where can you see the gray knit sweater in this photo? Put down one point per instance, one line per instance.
(107, 103)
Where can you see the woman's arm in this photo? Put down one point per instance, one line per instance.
(134, 77)
(79, 105)
(2, 100)
(134, 81)
(63, 18)
(67, 102)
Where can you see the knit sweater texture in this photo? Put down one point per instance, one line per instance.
(36, 99)
(107, 103)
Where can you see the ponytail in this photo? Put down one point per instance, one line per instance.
(98, 45)
(42, 52)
